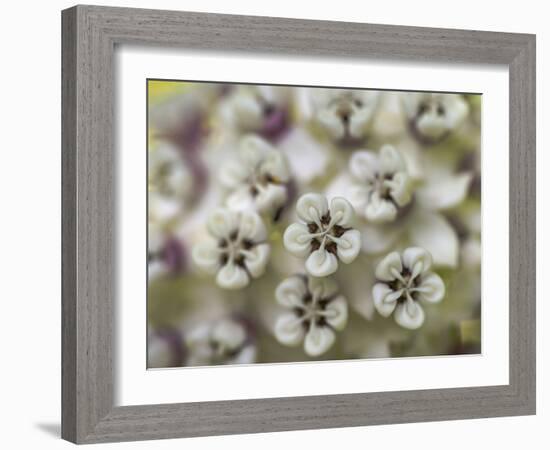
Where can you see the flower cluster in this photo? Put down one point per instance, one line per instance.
(291, 223)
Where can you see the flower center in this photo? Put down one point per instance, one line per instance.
(234, 249)
(325, 233)
(405, 282)
(312, 311)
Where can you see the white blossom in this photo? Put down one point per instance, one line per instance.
(380, 184)
(326, 235)
(345, 114)
(432, 116)
(405, 280)
(237, 250)
(257, 178)
(223, 341)
(314, 311)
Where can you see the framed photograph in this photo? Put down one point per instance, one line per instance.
(278, 224)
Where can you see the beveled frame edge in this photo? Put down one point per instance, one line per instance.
(90, 34)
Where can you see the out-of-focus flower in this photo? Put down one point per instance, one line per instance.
(238, 250)
(433, 116)
(224, 341)
(346, 115)
(260, 109)
(380, 184)
(403, 282)
(326, 236)
(170, 183)
(164, 348)
(257, 179)
(165, 253)
(314, 311)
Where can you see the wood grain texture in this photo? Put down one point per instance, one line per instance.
(89, 216)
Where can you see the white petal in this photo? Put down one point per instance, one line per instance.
(457, 109)
(364, 165)
(240, 199)
(400, 188)
(348, 246)
(271, 197)
(229, 333)
(289, 329)
(322, 287)
(380, 210)
(252, 227)
(256, 259)
(276, 166)
(232, 276)
(409, 317)
(247, 111)
(432, 288)
(359, 197)
(337, 313)
(432, 232)
(417, 260)
(328, 118)
(377, 238)
(318, 340)
(233, 174)
(384, 301)
(321, 263)
(222, 222)
(390, 160)
(432, 125)
(246, 356)
(386, 268)
(297, 240)
(312, 207)
(253, 150)
(445, 191)
(343, 210)
(291, 291)
(206, 255)
(360, 122)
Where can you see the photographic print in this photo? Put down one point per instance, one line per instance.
(295, 224)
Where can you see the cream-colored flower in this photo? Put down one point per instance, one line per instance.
(432, 116)
(326, 236)
(223, 341)
(405, 280)
(238, 250)
(345, 114)
(380, 184)
(314, 311)
(257, 179)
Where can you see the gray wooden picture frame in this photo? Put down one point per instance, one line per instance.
(90, 34)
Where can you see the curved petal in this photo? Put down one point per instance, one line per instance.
(247, 110)
(390, 160)
(445, 191)
(337, 313)
(240, 199)
(246, 356)
(233, 174)
(380, 210)
(388, 266)
(291, 291)
(321, 263)
(364, 165)
(311, 207)
(328, 118)
(349, 246)
(271, 197)
(384, 299)
(432, 232)
(411, 317)
(399, 188)
(229, 334)
(222, 222)
(432, 288)
(297, 240)
(253, 150)
(321, 287)
(360, 122)
(417, 260)
(276, 166)
(206, 255)
(232, 276)
(289, 329)
(359, 197)
(252, 227)
(318, 340)
(256, 259)
(343, 210)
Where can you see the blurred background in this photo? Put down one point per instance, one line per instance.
(197, 132)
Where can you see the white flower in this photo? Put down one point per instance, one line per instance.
(258, 178)
(403, 282)
(261, 109)
(345, 114)
(314, 311)
(238, 250)
(380, 184)
(219, 342)
(170, 183)
(326, 236)
(433, 116)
